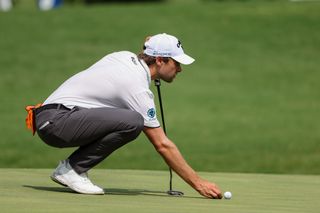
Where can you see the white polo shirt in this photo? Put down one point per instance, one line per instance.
(118, 80)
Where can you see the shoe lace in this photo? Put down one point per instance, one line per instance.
(85, 177)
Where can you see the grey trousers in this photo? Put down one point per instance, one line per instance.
(97, 132)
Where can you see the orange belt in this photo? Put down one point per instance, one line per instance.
(30, 117)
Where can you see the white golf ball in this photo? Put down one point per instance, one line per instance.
(227, 195)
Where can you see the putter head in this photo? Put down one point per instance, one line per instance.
(175, 193)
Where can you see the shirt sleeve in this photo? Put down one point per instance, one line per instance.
(143, 103)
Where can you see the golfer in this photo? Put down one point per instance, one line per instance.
(108, 105)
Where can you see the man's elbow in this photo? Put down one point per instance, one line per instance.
(164, 147)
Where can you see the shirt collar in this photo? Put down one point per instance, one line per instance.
(146, 69)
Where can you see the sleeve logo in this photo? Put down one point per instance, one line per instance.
(151, 113)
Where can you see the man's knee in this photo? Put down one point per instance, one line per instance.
(135, 124)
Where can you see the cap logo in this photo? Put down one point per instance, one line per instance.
(179, 44)
(164, 54)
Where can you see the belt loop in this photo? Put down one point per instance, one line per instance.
(59, 106)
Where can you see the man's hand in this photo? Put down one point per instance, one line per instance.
(170, 153)
(209, 190)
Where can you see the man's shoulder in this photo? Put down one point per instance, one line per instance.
(123, 53)
(120, 57)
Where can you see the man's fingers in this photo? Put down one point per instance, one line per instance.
(219, 196)
(213, 195)
(215, 192)
(216, 196)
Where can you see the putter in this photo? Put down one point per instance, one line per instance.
(170, 192)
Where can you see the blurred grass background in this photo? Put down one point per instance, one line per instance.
(250, 102)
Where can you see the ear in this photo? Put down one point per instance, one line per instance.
(159, 61)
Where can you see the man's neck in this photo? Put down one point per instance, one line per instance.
(153, 72)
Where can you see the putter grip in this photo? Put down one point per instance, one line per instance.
(157, 82)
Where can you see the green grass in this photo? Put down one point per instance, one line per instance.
(31, 190)
(250, 103)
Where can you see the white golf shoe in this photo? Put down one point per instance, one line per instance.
(66, 176)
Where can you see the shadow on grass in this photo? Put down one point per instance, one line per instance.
(135, 192)
(51, 189)
(113, 191)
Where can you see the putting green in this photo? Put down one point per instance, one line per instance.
(31, 190)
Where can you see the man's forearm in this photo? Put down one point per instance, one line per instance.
(175, 160)
(170, 153)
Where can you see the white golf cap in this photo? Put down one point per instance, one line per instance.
(165, 45)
